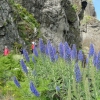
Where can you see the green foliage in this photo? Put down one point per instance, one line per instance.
(25, 22)
(87, 19)
(75, 7)
(47, 76)
(7, 66)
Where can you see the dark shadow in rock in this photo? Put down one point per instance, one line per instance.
(84, 4)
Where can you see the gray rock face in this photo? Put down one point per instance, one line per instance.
(59, 21)
(90, 10)
(90, 28)
(91, 34)
(8, 31)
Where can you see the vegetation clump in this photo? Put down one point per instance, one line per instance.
(27, 25)
(47, 75)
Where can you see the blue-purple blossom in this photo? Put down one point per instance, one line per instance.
(33, 59)
(95, 59)
(77, 73)
(51, 53)
(74, 52)
(54, 50)
(56, 57)
(57, 88)
(80, 55)
(16, 82)
(98, 62)
(61, 50)
(41, 46)
(46, 50)
(35, 52)
(48, 43)
(91, 50)
(23, 66)
(33, 89)
(25, 53)
(67, 52)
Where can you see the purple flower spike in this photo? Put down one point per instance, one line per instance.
(98, 61)
(33, 59)
(25, 53)
(95, 59)
(56, 57)
(61, 51)
(16, 82)
(52, 53)
(33, 89)
(74, 52)
(80, 55)
(35, 52)
(77, 73)
(67, 52)
(23, 66)
(41, 46)
(57, 88)
(46, 50)
(91, 51)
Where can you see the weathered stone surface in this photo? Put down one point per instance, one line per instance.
(59, 21)
(8, 31)
(91, 34)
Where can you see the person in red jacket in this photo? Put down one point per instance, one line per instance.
(6, 51)
(32, 46)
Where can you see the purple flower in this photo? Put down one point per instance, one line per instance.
(80, 55)
(52, 53)
(74, 52)
(61, 51)
(33, 59)
(57, 88)
(67, 52)
(23, 66)
(35, 52)
(91, 50)
(41, 46)
(46, 50)
(25, 53)
(77, 73)
(54, 50)
(95, 59)
(56, 57)
(16, 82)
(33, 89)
(98, 61)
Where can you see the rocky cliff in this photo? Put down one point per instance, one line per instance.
(90, 28)
(8, 30)
(60, 21)
(17, 26)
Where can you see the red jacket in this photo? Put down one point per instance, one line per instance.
(33, 46)
(6, 51)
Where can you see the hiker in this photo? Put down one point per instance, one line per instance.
(32, 46)
(6, 51)
(21, 51)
